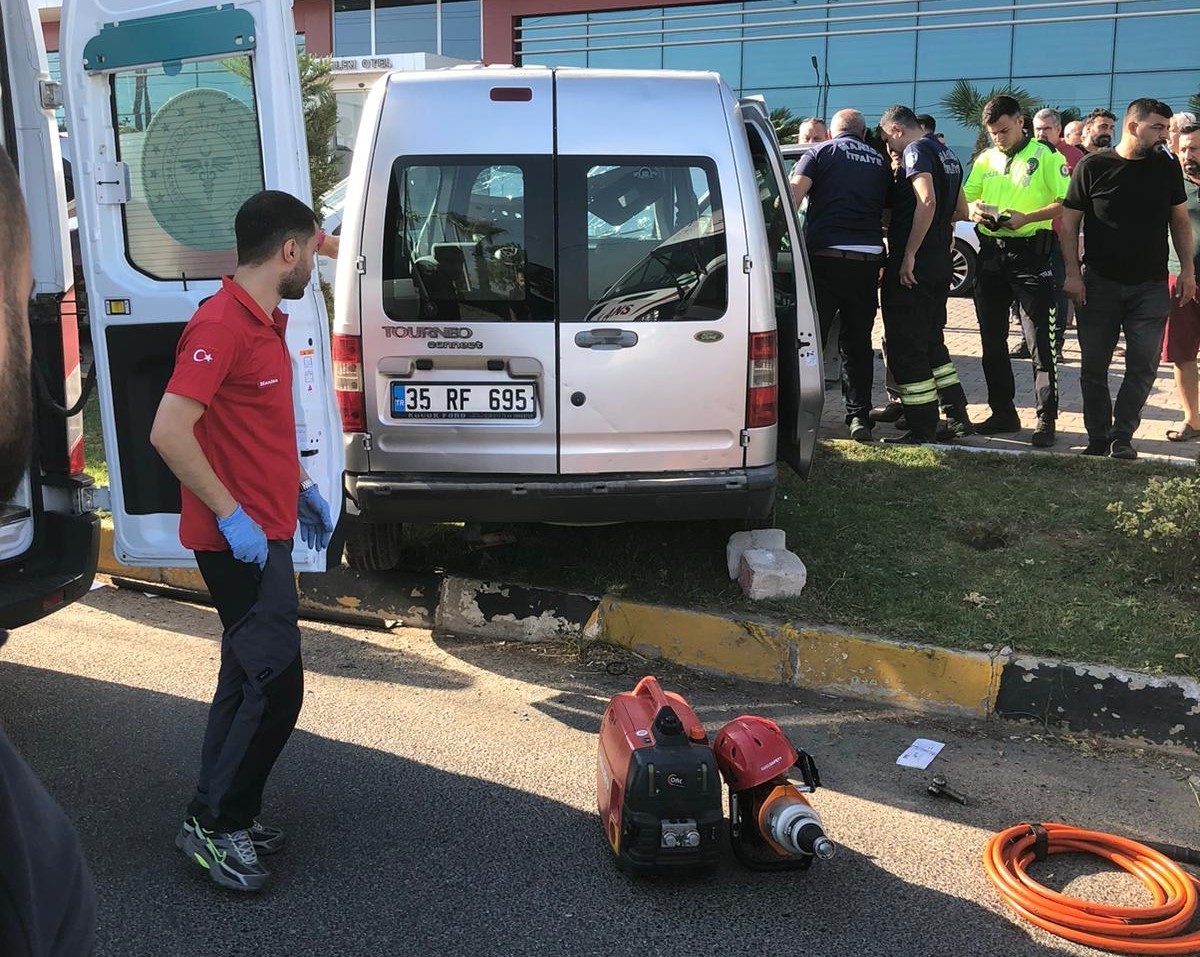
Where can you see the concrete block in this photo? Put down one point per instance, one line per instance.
(768, 538)
(771, 573)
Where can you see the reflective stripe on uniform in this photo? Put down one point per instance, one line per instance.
(918, 393)
(945, 376)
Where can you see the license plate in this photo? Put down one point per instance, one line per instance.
(463, 400)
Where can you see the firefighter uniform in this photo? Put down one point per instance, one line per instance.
(914, 318)
(1017, 263)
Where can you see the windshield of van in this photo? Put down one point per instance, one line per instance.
(469, 238)
(641, 240)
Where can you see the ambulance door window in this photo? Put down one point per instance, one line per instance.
(190, 137)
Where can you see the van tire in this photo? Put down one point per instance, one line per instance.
(373, 546)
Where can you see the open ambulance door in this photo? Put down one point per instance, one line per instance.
(179, 111)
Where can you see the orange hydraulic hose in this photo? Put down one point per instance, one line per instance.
(1157, 929)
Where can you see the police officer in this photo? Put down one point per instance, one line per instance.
(1014, 193)
(846, 183)
(916, 279)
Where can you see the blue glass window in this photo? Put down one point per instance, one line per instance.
(967, 51)
(724, 58)
(1083, 93)
(648, 30)
(1173, 88)
(870, 99)
(861, 57)
(533, 47)
(961, 138)
(1041, 49)
(461, 36)
(352, 28)
(403, 27)
(1164, 42)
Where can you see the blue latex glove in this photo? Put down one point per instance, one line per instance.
(245, 536)
(315, 524)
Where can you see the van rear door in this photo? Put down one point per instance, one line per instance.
(456, 282)
(653, 327)
(801, 375)
(179, 111)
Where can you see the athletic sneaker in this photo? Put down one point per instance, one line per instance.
(229, 859)
(266, 839)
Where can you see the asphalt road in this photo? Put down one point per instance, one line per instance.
(439, 798)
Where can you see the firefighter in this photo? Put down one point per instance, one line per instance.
(916, 279)
(1014, 194)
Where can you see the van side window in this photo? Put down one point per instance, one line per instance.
(469, 239)
(642, 240)
(189, 136)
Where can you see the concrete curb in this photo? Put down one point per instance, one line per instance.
(1076, 696)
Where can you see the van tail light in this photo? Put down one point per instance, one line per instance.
(348, 382)
(54, 329)
(763, 395)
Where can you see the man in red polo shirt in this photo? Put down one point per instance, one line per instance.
(226, 428)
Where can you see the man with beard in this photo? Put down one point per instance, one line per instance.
(47, 901)
(226, 428)
(1127, 199)
(1182, 342)
(1098, 131)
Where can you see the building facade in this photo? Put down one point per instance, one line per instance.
(813, 57)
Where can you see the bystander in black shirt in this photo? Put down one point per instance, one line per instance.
(1126, 206)
(926, 155)
(47, 901)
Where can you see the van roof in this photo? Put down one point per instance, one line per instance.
(489, 72)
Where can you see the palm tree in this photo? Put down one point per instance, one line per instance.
(1194, 103)
(786, 123)
(965, 103)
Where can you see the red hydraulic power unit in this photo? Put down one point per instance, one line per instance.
(657, 784)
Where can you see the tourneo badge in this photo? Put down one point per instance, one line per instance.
(199, 162)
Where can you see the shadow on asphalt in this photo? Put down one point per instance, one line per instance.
(325, 652)
(390, 856)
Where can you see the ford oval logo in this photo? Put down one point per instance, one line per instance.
(708, 335)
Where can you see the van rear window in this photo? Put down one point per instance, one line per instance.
(470, 238)
(642, 239)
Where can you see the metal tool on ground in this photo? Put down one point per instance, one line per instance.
(939, 788)
(772, 825)
(1160, 928)
(657, 786)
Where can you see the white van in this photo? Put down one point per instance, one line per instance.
(180, 110)
(49, 532)
(569, 296)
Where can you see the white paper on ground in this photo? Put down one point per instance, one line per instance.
(920, 753)
(98, 585)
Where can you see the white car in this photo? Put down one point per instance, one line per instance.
(966, 242)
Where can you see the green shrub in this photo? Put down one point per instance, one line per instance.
(1167, 522)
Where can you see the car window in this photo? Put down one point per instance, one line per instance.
(642, 240)
(189, 136)
(470, 239)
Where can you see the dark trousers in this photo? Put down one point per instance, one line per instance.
(1141, 311)
(1020, 272)
(847, 286)
(914, 320)
(260, 686)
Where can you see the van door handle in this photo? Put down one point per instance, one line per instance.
(606, 339)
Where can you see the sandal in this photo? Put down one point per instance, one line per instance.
(1182, 435)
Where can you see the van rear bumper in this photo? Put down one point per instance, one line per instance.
(59, 571)
(746, 494)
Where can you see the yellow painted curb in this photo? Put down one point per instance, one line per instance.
(697, 640)
(910, 675)
(187, 579)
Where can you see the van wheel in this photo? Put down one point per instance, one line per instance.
(373, 546)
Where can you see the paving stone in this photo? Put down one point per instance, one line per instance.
(768, 538)
(771, 573)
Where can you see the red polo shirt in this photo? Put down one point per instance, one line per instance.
(233, 358)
